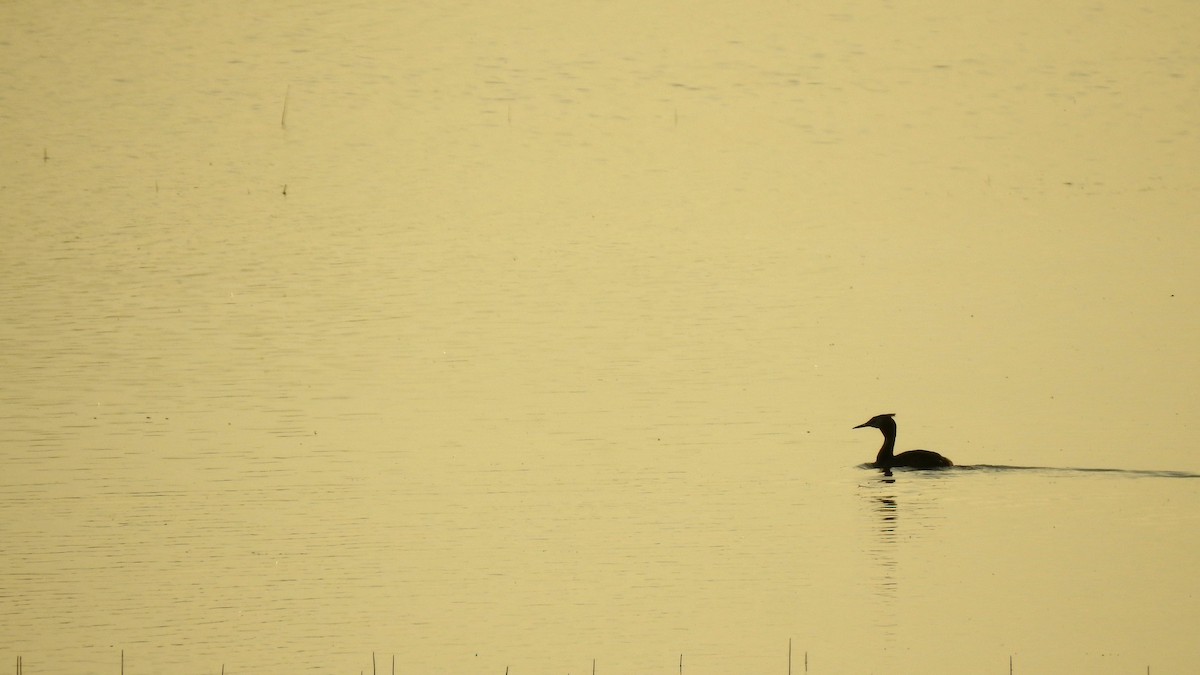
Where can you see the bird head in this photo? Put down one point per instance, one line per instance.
(879, 421)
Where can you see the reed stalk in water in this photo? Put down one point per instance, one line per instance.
(283, 117)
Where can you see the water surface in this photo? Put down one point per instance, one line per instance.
(517, 337)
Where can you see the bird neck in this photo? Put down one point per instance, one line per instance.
(889, 445)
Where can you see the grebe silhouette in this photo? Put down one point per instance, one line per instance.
(914, 459)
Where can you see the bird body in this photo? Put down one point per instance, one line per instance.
(913, 459)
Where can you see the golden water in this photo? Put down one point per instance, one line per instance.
(517, 336)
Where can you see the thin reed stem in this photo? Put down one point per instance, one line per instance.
(283, 117)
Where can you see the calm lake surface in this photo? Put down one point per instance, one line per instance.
(529, 337)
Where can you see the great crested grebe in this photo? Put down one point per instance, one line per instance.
(915, 459)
